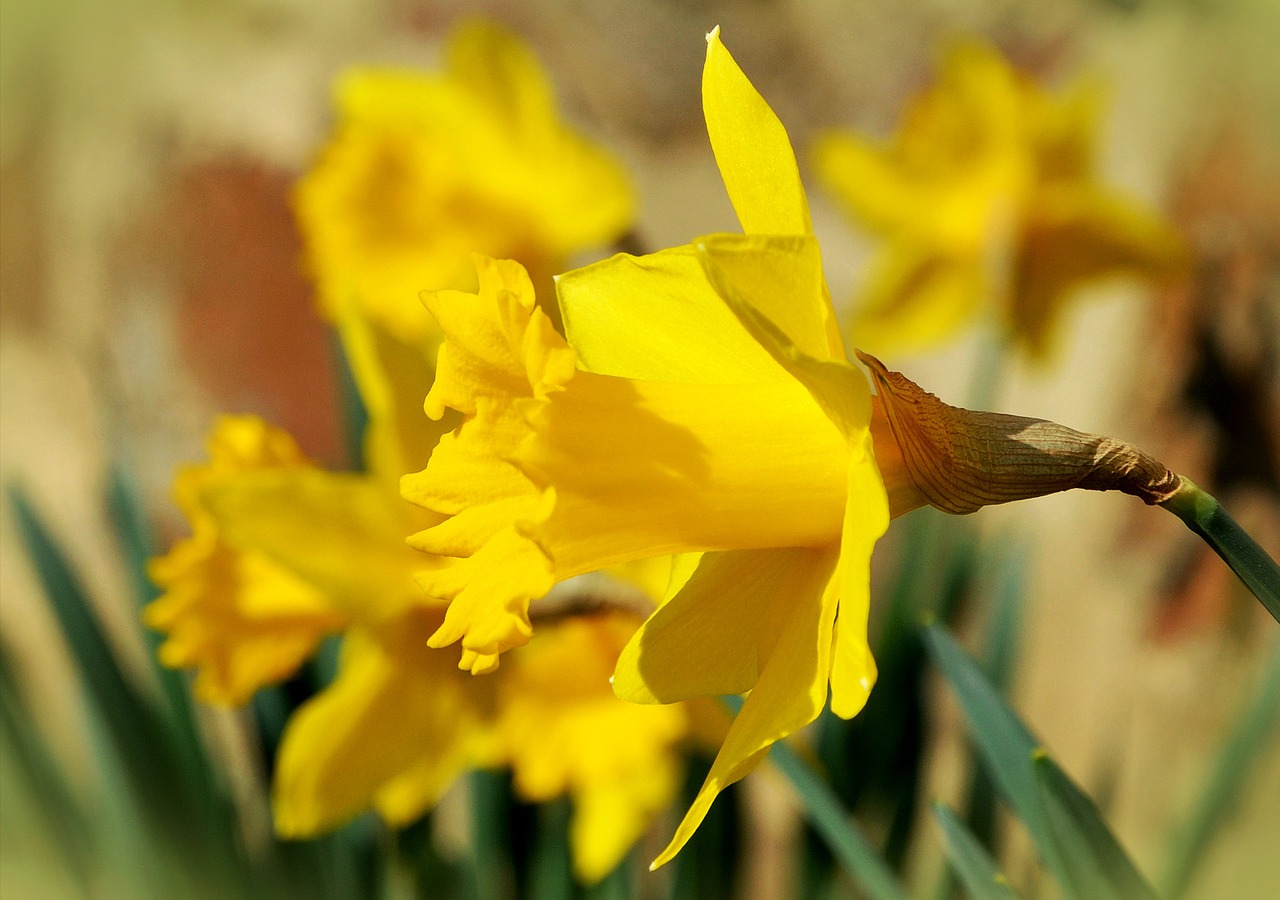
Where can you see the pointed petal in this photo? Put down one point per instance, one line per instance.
(501, 70)
(752, 149)
(677, 327)
(853, 670)
(913, 296)
(1079, 236)
(840, 389)
(716, 634)
(609, 818)
(782, 277)
(395, 712)
(865, 180)
(789, 694)
(566, 732)
(342, 533)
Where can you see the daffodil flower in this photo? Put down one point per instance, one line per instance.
(701, 404)
(284, 553)
(988, 202)
(423, 169)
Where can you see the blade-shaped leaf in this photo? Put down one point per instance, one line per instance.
(551, 869)
(1000, 737)
(25, 748)
(975, 867)
(134, 538)
(847, 843)
(144, 746)
(1258, 724)
(1096, 864)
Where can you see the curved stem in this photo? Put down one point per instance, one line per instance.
(1204, 515)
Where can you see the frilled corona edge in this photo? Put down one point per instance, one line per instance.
(962, 460)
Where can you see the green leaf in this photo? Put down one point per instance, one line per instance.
(53, 797)
(847, 843)
(972, 863)
(619, 884)
(551, 868)
(1096, 864)
(144, 746)
(492, 874)
(1008, 569)
(1257, 725)
(137, 547)
(1003, 741)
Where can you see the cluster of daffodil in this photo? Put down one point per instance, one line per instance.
(421, 172)
(698, 405)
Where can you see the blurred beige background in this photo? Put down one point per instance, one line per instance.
(150, 280)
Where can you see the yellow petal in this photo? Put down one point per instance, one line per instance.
(839, 389)
(751, 148)
(781, 276)
(1078, 236)
(501, 71)
(340, 532)
(678, 329)
(913, 295)
(241, 620)
(609, 818)
(789, 694)
(392, 378)
(566, 732)
(425, 168)
(853, 671)
(716, 633)
(397, 719)
(866, 180)
(236, 615)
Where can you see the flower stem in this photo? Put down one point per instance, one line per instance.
(1204, 515)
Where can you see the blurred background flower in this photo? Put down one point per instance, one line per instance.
(153, 276)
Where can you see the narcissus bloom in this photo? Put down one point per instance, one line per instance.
(266, 620)
(987, 196)
(701, 404)
(424, 169)
(284, 552)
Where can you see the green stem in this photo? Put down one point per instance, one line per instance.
(1205, 516)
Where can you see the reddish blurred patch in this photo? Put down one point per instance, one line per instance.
(246, 319)
(1218, 340)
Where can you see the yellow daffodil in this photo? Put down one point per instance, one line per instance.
(424, 169)
(266, 620)
(284, 552)
(701, 404)
(987, 197)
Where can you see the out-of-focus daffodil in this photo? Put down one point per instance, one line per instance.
(702, 403)
(284, 552)
(424, 169)
(266, 620)
(987, 196)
